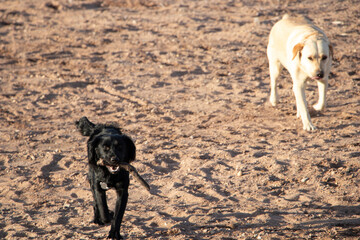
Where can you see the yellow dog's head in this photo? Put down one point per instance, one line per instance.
(315, 55)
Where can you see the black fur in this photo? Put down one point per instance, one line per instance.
(107, 149)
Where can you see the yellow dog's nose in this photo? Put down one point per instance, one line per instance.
(320, 74)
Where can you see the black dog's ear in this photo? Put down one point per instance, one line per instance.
(85, 127)
(91, 147)
(130, 149)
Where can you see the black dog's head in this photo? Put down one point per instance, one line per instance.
(107, 146)
(110, 150)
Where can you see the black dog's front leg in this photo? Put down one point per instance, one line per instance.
(122, 198)
(101, 210)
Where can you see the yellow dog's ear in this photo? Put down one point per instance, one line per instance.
(297, 49)
(331, 51)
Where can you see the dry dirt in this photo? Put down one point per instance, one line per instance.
(188, 81)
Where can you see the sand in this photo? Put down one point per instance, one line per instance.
(188, 81)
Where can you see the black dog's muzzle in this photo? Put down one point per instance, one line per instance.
(113, 169)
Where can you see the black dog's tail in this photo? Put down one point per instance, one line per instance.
(85, 127)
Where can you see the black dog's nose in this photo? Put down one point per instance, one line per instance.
(113, 160)
(320, 74)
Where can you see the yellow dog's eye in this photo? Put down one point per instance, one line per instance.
(310, 58)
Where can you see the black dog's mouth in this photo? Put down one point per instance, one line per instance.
(112, 169)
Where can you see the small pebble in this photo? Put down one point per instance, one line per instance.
(304, 179)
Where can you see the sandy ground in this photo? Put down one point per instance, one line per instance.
(188, 81)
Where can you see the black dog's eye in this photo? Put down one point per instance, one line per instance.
(310, 58)
(117, 145)
(324, 58)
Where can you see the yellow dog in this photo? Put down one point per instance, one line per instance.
(305, 51)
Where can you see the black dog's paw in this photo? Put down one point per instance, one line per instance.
(97, 221)
(102, 222)
(114, 235)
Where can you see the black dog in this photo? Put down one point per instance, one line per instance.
(109, 153)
